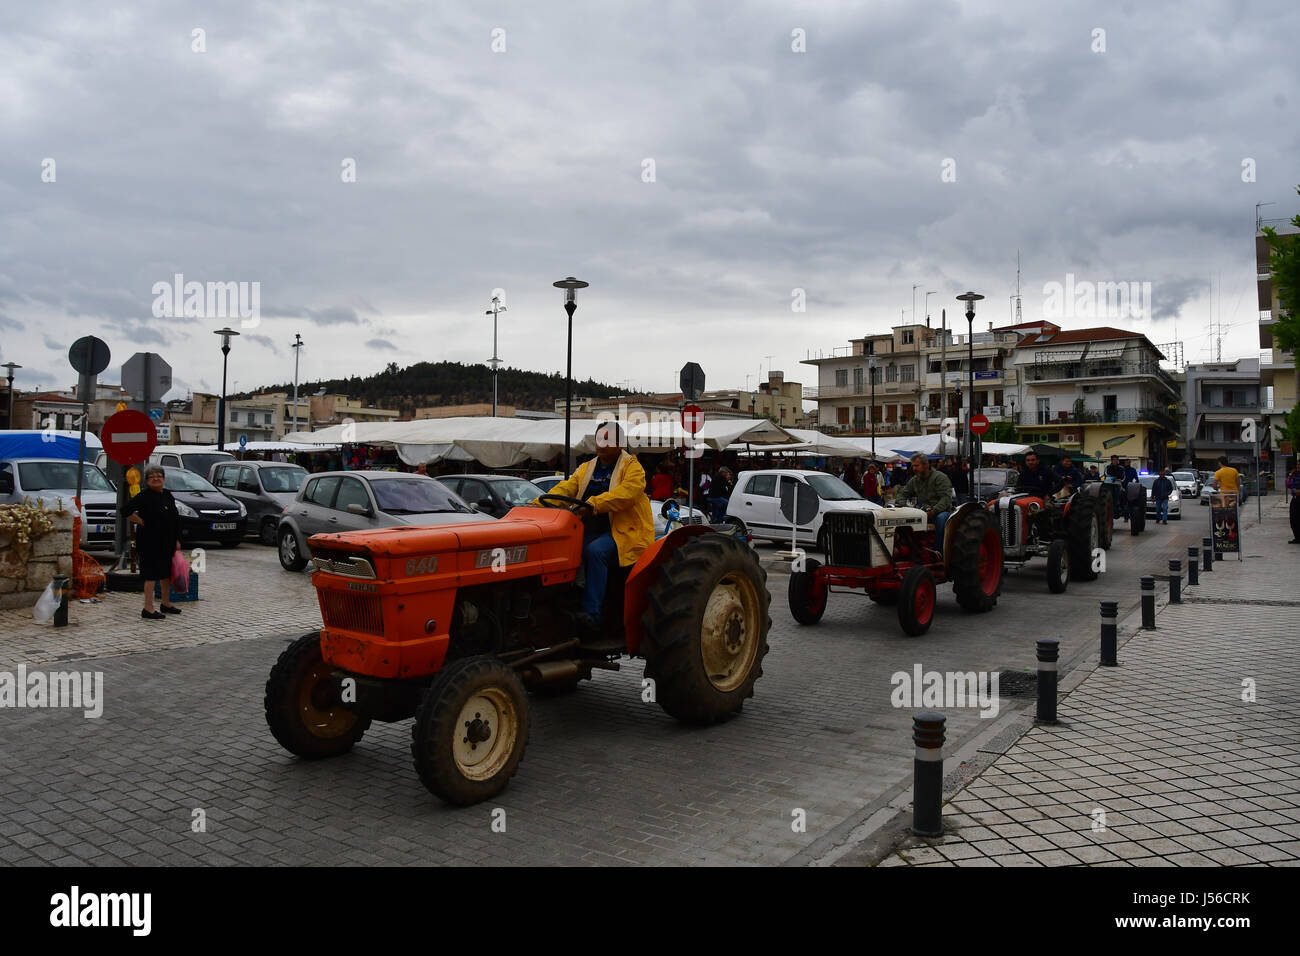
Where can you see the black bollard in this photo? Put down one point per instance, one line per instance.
(1175, 581)
(1109, 626)
(1148, 602)
(61, 595)
(1207, 554)
(1192, 567)
(1049, 650)
(927, 773)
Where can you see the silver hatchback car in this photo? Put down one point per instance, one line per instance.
(362, 500)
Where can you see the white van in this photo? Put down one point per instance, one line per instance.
(756, 501)
(196, 458)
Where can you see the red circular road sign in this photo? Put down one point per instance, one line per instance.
(692, 418)
(128, 437)
(979, 424)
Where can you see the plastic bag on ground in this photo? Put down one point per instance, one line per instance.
(180, 572)
(46, 604)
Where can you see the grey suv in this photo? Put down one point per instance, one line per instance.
(361, 500)
(265, 488)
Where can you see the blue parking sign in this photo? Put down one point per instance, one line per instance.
(243, 442)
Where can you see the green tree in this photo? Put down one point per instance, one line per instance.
(1284, 264)
(1291, 429)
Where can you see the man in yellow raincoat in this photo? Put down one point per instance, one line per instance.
(616, 514)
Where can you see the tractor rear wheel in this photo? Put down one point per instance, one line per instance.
(302, 706)
(975, 568)
(706, 628)
(470, 730)
(916, 600)
(806, 595)
(1084, 538)
(1105, 521)
(1058, 566)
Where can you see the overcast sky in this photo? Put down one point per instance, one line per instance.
(907, 143)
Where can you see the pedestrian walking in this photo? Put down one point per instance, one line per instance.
(723, 485)
(1161, 489)
(157, 538)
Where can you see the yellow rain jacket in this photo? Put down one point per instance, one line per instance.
(626, 503)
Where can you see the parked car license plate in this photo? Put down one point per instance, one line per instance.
(224, 526)
(101, 529)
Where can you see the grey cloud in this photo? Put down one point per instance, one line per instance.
(1170, 295)
(381, 344)
(263, 340)
(7, 323)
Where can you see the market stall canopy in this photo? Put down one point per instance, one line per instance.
(286, 445)
(937, 444)
(503, 442)
(827, 446)
(33, 443)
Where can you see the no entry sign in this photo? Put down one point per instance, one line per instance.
(979, 424)
(128, 437)
(692, 418)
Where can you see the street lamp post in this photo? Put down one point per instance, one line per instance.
(970, 298)
(226, 335)
(9, 422)
(871, 372)
(297, 349)
(570, 286)
(494, 361)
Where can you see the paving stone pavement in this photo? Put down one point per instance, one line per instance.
(1166, 760)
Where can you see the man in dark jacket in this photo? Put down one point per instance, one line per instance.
(1066, 473)
(1161, 489)
(1036, 479)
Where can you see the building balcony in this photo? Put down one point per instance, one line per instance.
(1097, 369)
(988, 378)
(854, 429)
(1153, 416)
(863, 391)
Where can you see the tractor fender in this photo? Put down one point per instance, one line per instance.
(642, 575)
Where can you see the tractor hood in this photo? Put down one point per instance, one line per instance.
(520, 527)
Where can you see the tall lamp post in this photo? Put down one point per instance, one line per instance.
(494, 361)
(570, 286)
(297, 349)
(871, 373)
(9, 422)
(226, 335)
(970, 298)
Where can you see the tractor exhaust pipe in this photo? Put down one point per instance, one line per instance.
(544, 672)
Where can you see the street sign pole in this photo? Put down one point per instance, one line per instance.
(88, 356)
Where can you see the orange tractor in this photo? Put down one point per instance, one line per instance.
(452, 624)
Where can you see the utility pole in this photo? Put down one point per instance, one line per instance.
(297, 350)
(943, 374)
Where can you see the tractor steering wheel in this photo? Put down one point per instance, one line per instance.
(546, 499)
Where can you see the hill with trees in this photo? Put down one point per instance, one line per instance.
(447, 383)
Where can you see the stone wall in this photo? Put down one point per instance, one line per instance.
(23, 579)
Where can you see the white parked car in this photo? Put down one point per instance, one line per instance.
(756, 501)
(1175, 499)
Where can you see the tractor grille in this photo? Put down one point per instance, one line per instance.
(1010, 516)
(352, 612)
(849, 536)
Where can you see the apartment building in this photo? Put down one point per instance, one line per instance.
(948, 384)
(326, 410)
(62, 409)
(892, 361)
(776, 399)
(1098, 391)
(1219, 397)
(1278, 376)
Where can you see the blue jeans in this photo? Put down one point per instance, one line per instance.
(1162, 509)
(718, 509)
(940, 520)
(598, 553)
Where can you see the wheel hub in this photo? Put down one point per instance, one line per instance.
(484, 733)
(729, 632)
(477, 731)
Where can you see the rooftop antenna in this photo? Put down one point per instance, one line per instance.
(1018, 313)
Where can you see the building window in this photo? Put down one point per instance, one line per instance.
(841, 376)
(868, 348)
(909, 373)
(266, 418)
(859, 413)
(1044, 411)
(891, 373)
(857, 380)
(842, 415)
(234, 417)
(909, 336)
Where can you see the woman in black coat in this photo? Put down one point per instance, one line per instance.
(157, 538)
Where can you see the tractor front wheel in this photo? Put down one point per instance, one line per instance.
(1058, 566)
(706, 628)
(807, 595)
(916, 600)
(302, 706)
(470, 730)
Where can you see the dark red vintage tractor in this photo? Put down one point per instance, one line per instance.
(452, 624)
